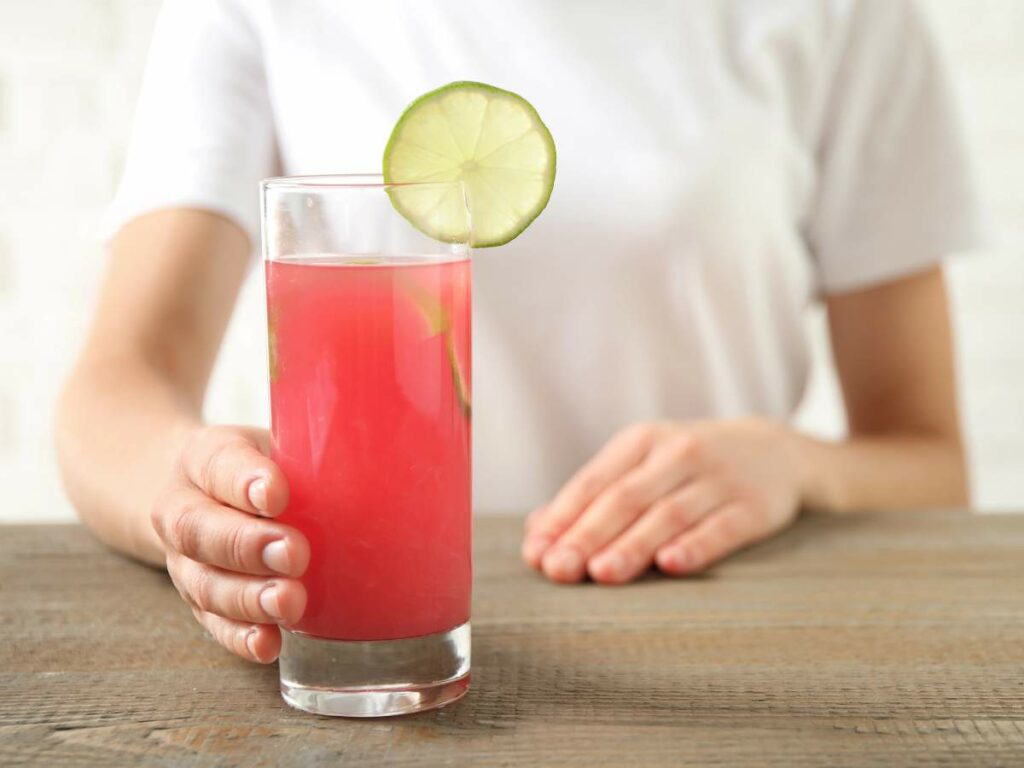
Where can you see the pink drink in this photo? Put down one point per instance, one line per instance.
(371, 426)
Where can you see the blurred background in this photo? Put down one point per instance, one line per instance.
(69, 75)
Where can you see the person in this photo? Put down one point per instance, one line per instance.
(639, 350)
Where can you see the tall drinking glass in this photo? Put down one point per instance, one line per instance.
(369, 340)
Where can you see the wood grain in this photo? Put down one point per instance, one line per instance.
(887, 639)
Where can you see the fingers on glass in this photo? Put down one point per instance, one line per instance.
(238, 597)
(190, 524)
(256, 642)
(230, 468)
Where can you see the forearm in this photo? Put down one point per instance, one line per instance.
(136, 394)
(892, 471)
(120, 427)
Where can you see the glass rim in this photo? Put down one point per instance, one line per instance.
(326, 181)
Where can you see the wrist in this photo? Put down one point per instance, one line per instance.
(810, 458)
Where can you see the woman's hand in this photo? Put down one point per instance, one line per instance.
(235, 566)
(679, 495)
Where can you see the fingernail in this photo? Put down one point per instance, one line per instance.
(258, 494)
(269, 603)
(250, 641)
(612, 564)
(275, 557)
(535, 546)
(673, 559)
(564, 561)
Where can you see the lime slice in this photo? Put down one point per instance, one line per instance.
(275, 370)
(491, 140)
(437, 321)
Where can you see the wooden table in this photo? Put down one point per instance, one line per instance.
(883, 639)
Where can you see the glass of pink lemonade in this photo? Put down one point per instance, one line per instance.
(369, 336)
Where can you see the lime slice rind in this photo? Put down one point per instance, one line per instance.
(490, 139)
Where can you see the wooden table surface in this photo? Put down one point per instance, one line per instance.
(885, 639)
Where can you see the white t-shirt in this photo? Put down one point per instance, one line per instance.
(720, 164)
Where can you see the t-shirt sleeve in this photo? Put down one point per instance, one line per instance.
(203, 133)
(895, 190)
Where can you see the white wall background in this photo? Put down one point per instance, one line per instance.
(69, 75)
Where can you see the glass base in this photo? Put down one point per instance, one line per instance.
(374, 678)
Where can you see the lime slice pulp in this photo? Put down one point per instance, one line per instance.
(491, 140)
(437, 322)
